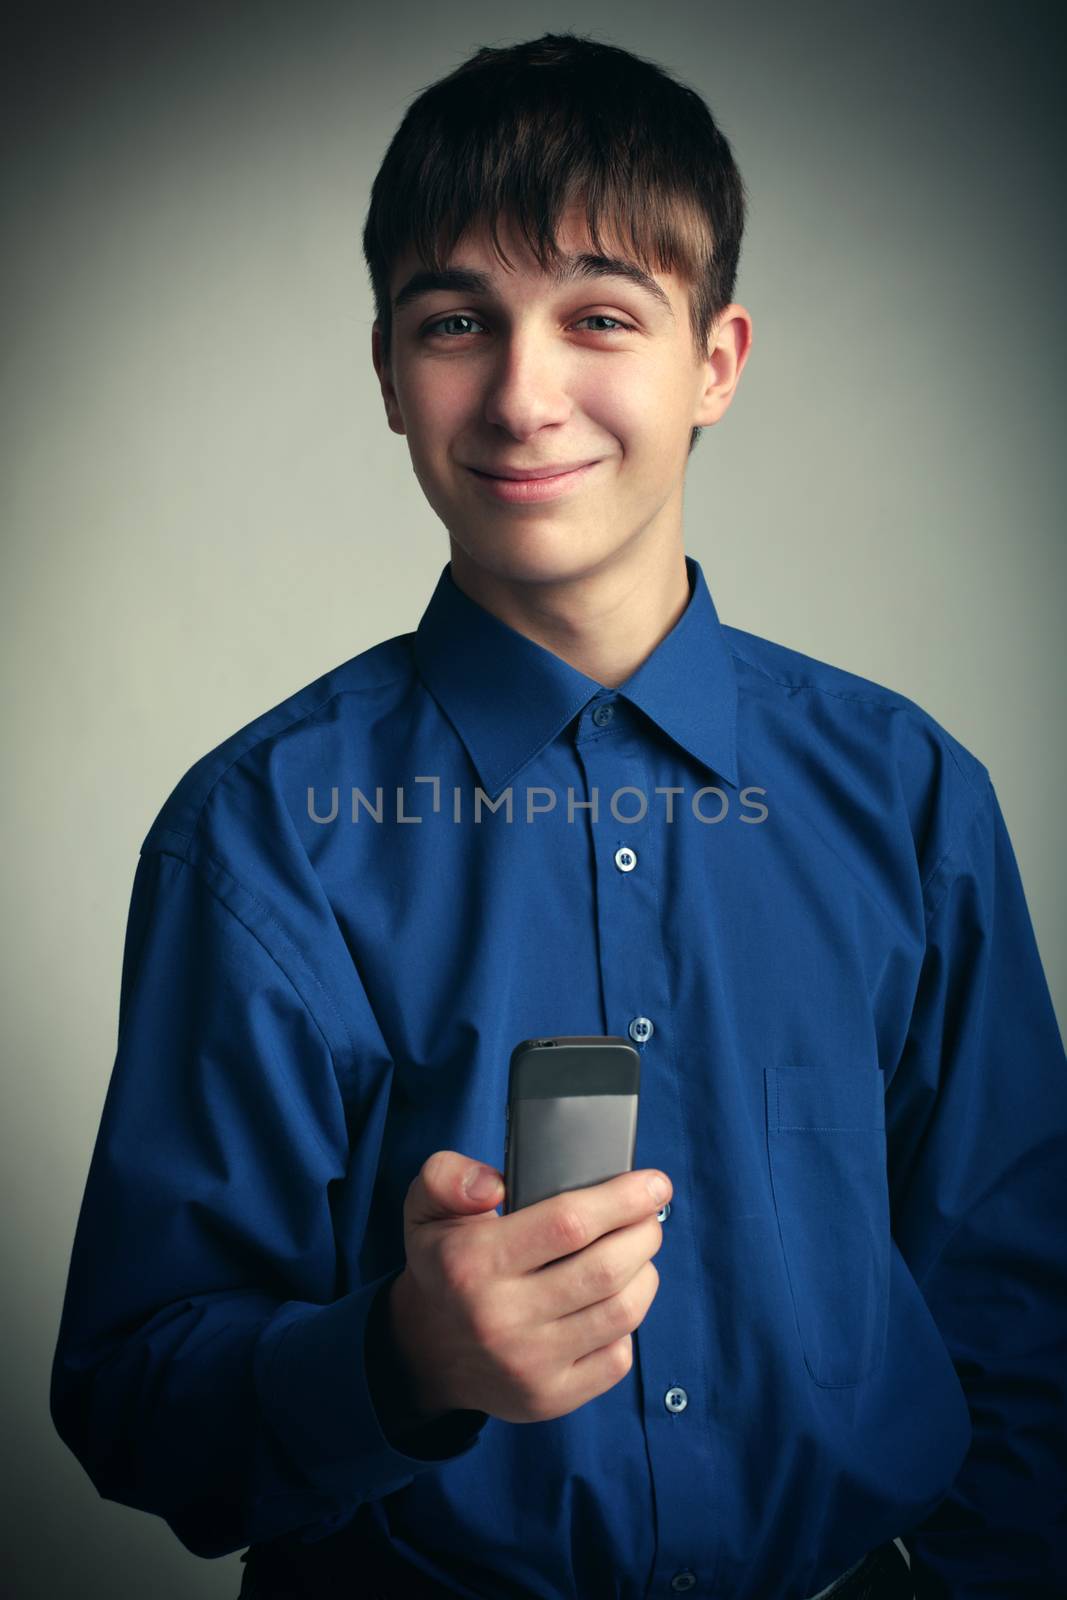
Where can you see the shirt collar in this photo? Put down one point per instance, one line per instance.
(508, 697)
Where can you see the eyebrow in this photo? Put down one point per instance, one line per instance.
(581, 266)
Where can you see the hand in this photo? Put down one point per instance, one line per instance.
(526, 1316)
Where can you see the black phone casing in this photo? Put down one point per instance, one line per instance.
(571, 1115)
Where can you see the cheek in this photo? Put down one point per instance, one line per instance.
(609, 395)
(431, 397)
(431, 402)
(630, 403)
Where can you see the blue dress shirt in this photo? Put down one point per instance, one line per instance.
(796, 892)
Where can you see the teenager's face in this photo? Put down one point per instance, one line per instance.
(521, 372)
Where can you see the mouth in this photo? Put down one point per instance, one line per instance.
(526, 490)
(525, 474)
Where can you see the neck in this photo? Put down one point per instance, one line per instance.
(603, 623)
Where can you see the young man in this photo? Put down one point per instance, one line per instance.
(572, 802)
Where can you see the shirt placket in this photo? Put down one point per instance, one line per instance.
(627, 830)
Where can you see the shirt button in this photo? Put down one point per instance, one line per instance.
(676, 1399)
(664, 1211)
(641, 1029)
(625, 858)
(602, 715)
(683, 1581)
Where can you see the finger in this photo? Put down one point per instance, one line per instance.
(563, 1224)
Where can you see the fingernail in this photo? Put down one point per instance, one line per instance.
(658, 1187)
(484, 1183)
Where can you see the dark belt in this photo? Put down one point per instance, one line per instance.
(274, 1572)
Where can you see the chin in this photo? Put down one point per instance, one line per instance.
(526, 556)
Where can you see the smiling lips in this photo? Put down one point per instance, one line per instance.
(539, 483)
(525, 474)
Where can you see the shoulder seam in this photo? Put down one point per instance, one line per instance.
(249, 749)
(888, 697)
(954, 847)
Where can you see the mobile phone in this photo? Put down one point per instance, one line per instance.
(571, 1118)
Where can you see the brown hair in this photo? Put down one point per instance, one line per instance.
(529, 130)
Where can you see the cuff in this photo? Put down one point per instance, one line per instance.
(311, 1374)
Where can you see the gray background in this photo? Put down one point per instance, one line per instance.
(205, 509)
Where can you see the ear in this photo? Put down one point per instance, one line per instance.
(385, 379)
(729, 344)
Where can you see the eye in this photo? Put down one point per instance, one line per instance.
(459, 316)
(456, 316)
(602, 316)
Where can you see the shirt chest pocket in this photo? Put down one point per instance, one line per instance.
(827, 1153)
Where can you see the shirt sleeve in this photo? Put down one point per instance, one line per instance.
(391, 1394)
(204, 1371)
(977, 1125)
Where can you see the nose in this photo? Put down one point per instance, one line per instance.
(526, 387)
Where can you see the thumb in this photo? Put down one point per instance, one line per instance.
(451, 1185)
